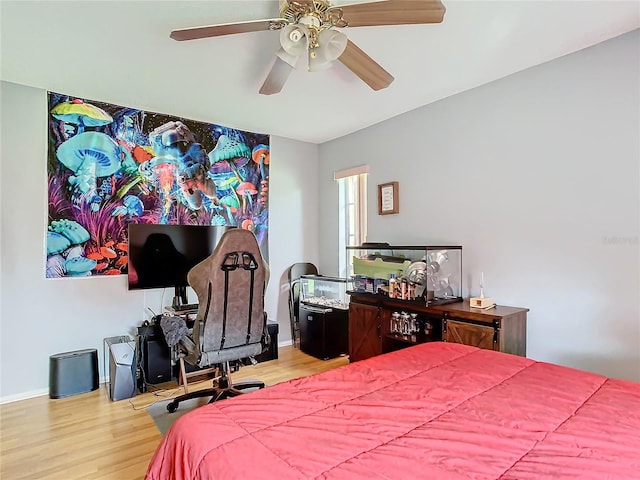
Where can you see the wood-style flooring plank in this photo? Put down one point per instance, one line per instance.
(88, 436)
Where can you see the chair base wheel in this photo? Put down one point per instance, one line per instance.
(172, 407)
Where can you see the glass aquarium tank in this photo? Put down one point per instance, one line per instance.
(322, 291)
(429, 274)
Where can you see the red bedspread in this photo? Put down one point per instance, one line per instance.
(434, 411)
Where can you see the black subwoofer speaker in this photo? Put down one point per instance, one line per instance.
(155, 358)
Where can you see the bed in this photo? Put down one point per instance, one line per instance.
(434, 411)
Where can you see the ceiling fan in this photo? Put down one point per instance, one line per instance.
(312, 28)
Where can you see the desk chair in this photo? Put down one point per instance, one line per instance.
(231, 323)
(295, 271)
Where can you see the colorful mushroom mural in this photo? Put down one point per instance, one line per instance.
(109, 166)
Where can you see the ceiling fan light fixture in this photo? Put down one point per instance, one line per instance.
(294, 40)
(316, 65)
(331, 44)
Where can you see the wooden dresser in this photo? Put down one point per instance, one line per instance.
(500, 328)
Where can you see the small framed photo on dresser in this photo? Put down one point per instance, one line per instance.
(388, 198)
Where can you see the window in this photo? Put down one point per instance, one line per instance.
(352, 210)
(355, 192)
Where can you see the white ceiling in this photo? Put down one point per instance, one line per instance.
(120, 52)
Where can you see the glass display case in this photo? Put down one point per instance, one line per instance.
(324, 316)
(321, 291)
(431, 275)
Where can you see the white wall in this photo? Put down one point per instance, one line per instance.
(538, 177)
(41, 317)
(293, 220)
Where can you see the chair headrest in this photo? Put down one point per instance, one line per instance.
(237, 248)
(230, 285)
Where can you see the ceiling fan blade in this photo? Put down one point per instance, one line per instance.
(393, 12)
(277, 77)
(194, 33)
(365, 67)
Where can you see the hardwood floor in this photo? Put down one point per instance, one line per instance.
(90, 437)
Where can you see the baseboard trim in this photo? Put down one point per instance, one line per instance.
(24, 396)
(45, 391)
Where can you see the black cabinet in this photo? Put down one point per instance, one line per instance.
(324, 332)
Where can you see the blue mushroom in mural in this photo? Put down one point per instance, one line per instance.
(79, 266)
(218, 220)
(81, 114)
(89, 155)
(131, 205)
(70, 230)
(56, 243)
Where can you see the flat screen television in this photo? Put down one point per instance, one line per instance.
(160, 256)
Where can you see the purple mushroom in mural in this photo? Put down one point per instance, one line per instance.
(55, 266)
(240, 162)
(226, 150)
(89, 155)
(81, 114)
(224, 177)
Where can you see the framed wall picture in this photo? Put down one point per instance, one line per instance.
(388, 198)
